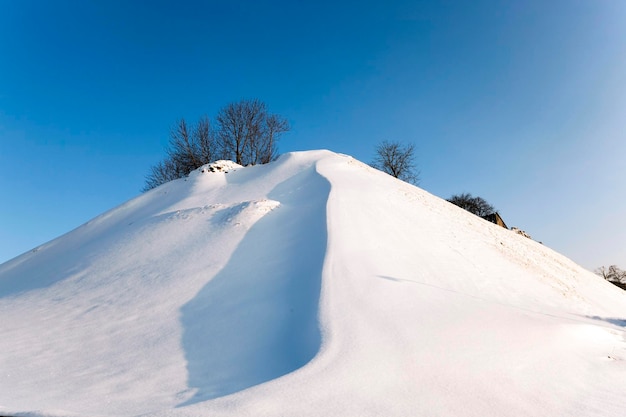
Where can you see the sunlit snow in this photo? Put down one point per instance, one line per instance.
(311, 286)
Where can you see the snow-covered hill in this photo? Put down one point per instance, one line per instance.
(312, 286)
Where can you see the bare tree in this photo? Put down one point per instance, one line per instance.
(397, 160)
(161, 173)
(183, 151)
(275, 126)
(613, 274)
(476, 205)
(248, 133)
(186, 151)
(238, 124)
(205, 140)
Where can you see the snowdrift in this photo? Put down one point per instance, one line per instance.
(312, 286)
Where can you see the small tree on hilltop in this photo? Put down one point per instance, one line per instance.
(249, 133)
(246, 133)
(275, 126)
(187, 150)
(164, 171)
(475, 205)
(397, 160)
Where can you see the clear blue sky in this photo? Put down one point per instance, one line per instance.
(520, 102)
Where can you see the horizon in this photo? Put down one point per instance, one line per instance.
(520, 104)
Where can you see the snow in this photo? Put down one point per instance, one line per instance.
(217, 166)
(311, 286)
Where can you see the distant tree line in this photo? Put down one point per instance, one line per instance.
(244, 132)
(614, 275)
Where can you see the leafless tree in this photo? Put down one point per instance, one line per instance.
(397, 160)
(476, 205)
(248, 133)
(206, 142)
(183, 151)
(275, 126)
(238, 123)
(613, 274)
(186, 151)
(161, 173)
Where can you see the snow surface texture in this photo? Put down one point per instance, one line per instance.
(312, 286)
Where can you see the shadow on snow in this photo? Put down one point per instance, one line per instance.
(258, 318)
(612, 320)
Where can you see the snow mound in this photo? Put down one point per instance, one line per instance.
(224, 166)
(311, 286)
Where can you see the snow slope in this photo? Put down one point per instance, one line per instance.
(312, 286)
